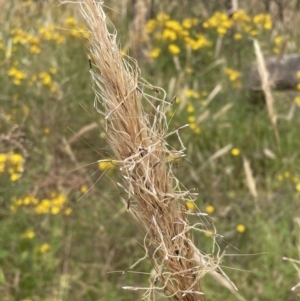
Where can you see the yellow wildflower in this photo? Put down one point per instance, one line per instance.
(197, 130)
(190, 205)
(241, 17)
(46, 131)
(46, 78)
(240, 228)
(15, 176)
(28, 235)
(150, 26)
(154, 53)
(68, 211)
(298, 86)
(237, 36)
(44, 248)
(298, 187)
(191, 119)
(70, 21)
(43, 207)
(3, 158)
(174, 49)
(210, 209)
(233, 74)
(169, 35)
(189, 70)
(162, 17)
(190, 108)
(84, 188)
(55, 210)
(35, 49)
(278, 40)
(235, 152)
(52, 70)
(193, 126)
(104, 165)
(297, 100)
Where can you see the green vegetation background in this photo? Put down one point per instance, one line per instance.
(64, 229)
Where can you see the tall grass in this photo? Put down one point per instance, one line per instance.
(137, 133)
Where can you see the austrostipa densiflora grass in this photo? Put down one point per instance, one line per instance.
(137, 130)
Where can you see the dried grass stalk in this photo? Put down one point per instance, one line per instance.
(264, 75)
(138, 139)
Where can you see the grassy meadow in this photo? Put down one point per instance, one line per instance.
(65, 233)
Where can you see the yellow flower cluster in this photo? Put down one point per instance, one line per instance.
(221, 22)
(288, 176)
(263, 20)
(194, 96)
(234, 77)
(76, 30)
(17, 75)
(46, 80)
(12, 163)
(24, 38)
(278, 43)
(56, 203)
(170, 31)
(50, 33)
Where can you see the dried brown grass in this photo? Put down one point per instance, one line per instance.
(138, 138)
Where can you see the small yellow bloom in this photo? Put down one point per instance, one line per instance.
(298, 187)
(150, 26)
(28, 235)
(240, 228)
(190, 108)
(46, 131)
(3, 158)
(84, 188)
(237, 36)
(278, 40)
(46, 78)
(104, 165)
(235, 152)
(189, 93)
(297, 101)
(174, 49)
(193, 126)
(210, 209)
(52, 70)
(197, 130)
(162, 17)
(35, 49)
(44, 248)
(55, 210)
(279, 178)
(191, 119)
(68, 211)
(14, 177)
(155, 53)
(70, 21)
(189, 70)
(190, 205)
